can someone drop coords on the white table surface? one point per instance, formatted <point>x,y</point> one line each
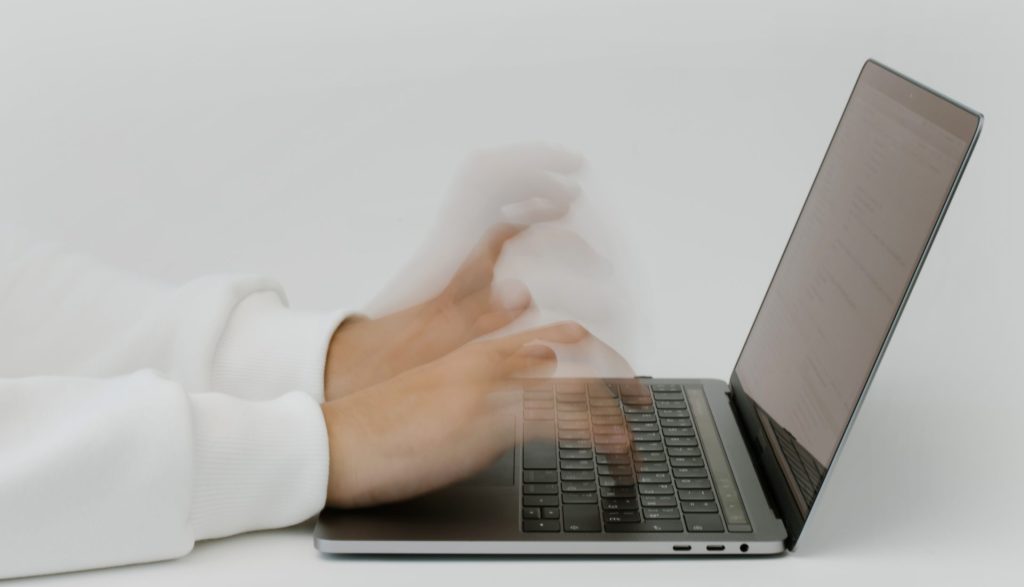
<point>309,141</point>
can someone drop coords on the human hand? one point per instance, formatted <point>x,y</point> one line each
<point>366,351</point>
<point>522,184</point>
<point>435,424</point>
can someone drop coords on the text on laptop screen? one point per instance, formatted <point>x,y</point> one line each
<point>852,256</point>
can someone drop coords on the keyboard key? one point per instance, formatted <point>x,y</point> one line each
<point>611,448</point>
<point>676,441</point>
<point>540,501</point>
<point>673,413</point>
<point>535,394</point>
<point>659,501</point>
<point>704,523</point>
<point>579,498</point>
<point>674,403</point>
<point>540,477</point>
<point>531,513</point>
<point>580,453</point>
<point>680,422</point>
<point>539,454</point>
<point>657,489</point>
<point>540,489</point>
<point>693,484</point>
<point>614,470</point>
<point>581,518</point>
<point>618,492</point>
<point>648,446</point>
<point>646,437</point>
<point>649,526</point>
<point>573,425</point>
<point>672,387</point>
<point>606,420</point>
<point>700,507</point>
<point>541,526</point>
<point>653,478</point>
<point>577,475</point>
<point>644,427</point>
<point>606,411</point>
<point>603,401</point>
<point>637,409</point>
<point>617,481</point>
<point>651,468</point>
<point>661,513</point>
<point>572,416</point>
<point>538,415</point>
<point>696,495</point>
<point>612,430</point>
<point>670,432</point>
<point>684,451</point>
<point>573,435</point>
<point>570,465</point>
<point>579,486</point>
<point>636,399</point>
<point>664,395</point>
<point>612,459</point>
<point>603,438</point>
<point>571,407</point>
<point>620,504</point>
<point>571,397</point>
<point>687,462</point>
<point>639,418</point>
<point>649,457</point>
<point>621,517</point>
<point>689,473</point>
<point>574,444</point>
<point>571,387</point>
<point>549,513</point>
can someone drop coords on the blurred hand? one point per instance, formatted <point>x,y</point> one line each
<point>435,424</point>
<point>521,184</point>
<point>367,351</point>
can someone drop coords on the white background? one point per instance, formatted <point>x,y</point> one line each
<point>313,141</point>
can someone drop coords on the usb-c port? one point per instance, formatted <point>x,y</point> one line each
<point>681,548</point>
<point>716,547</point>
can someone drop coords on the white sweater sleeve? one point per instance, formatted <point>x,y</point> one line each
<point>104,472</point>
<point>136,419</point>
<point>66,314</point>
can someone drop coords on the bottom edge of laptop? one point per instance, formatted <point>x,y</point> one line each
<point>554,548</point>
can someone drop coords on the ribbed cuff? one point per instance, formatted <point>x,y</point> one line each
<point>268,349</point>
<point>258,465</point>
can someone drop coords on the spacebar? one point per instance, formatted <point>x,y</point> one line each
<point>539,454</point>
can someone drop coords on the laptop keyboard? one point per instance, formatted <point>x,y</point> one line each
<point>625,458</point>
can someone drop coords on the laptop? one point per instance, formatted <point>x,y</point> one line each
<point>711,466</point>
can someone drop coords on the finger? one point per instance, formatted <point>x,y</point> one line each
<point>559,332</point>
<point>491,309</point>
<point>497,319</point>
<point>521,186</point>
<point>477,271</point>
<point>535,210</point>
<point>532,360</point>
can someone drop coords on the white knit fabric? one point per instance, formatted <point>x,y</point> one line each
<point>136,419</point>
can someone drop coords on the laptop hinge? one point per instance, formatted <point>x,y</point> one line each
<point>754,450</point>
<point>769,468</point>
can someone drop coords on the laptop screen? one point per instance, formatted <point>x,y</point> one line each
<point>852,257</point>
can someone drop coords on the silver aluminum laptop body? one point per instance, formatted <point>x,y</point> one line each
<point>766,439</point>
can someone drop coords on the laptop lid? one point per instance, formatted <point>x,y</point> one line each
<point>844,277</point>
